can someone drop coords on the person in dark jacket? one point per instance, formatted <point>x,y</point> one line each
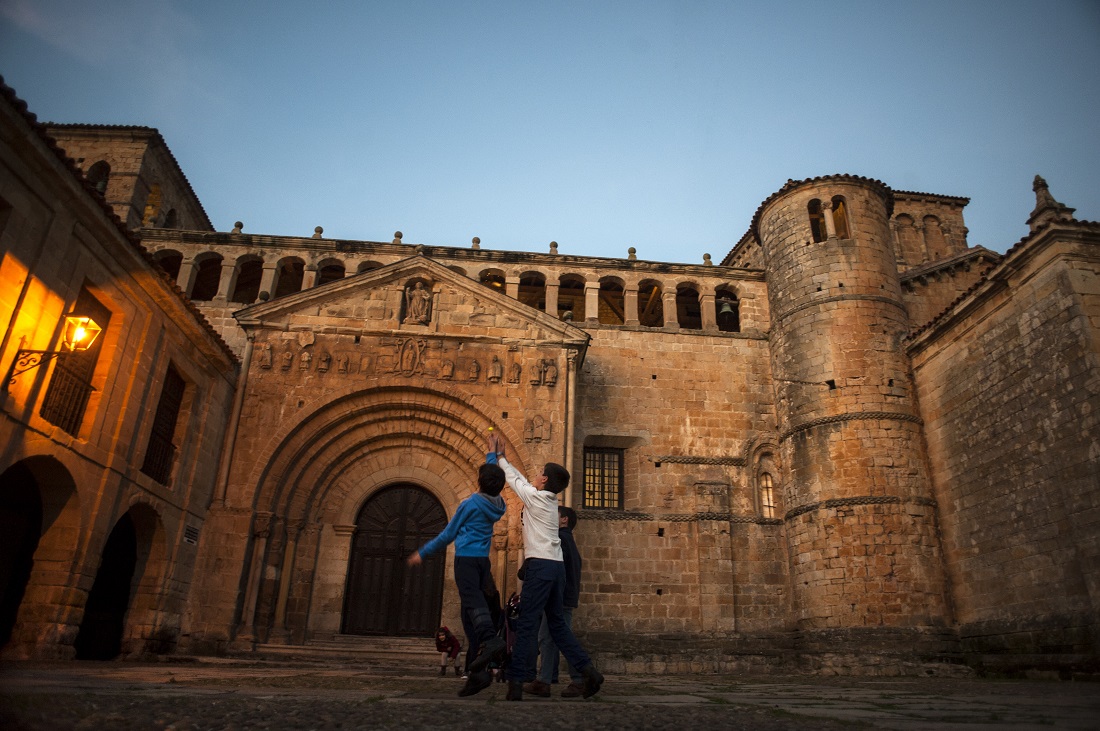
<point>548,651</point>
<point>471,530</point>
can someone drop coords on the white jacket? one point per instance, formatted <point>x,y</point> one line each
<point>540,515</point>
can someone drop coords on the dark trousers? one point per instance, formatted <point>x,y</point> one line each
<point>472,575</point>
<point>543,591</point>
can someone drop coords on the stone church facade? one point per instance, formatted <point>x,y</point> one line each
<point>855,442</point>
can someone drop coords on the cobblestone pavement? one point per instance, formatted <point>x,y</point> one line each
<point>189,694</point>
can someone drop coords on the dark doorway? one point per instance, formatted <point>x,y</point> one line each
<point>20,529</point>
<point>384,596</point>
<point>100,636</point>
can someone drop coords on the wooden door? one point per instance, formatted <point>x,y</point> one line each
<point>384,596</point>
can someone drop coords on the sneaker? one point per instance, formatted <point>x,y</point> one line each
<point>592,681</point>
<point>490,651</point>
<point>515,691</point>
<point>537,687</point>
<point>478,682</point>
<point>573,690</point>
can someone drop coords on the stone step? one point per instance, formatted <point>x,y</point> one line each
<point>411,651</point>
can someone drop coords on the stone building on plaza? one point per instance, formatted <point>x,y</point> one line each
<point>856,440</point>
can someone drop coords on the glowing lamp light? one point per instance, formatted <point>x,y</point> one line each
<point>80,332</point>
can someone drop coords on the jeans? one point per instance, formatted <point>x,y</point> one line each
<point>548,651</point>
<point>543,590</point>
<point>477,622</point>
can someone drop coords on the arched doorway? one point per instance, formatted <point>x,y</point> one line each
<point>384,596</point>
<point>100,636</point>
<point>20,529</point>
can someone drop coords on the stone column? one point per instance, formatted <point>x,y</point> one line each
<point>669,301</point>
<point>309,277</point>
<point>827,214</point>
<point>226,280</point>
<point>186,278</point>
<point>707,315</point>
<point>267,282</point>
<point>592,302</point>
<point>630,305</point>
<point>570,418</point>
<point>280,633</point>
<point>261,532</point>
<point>552,299</point>
<point>511,287</point>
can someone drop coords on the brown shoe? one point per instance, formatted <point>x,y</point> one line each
<point>515,691</point>
<point>573,690</point>
<point>537,687</point>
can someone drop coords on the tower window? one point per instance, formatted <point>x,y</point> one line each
<point>840,217</point>
<point>817,220</point>
<point>767,495</point>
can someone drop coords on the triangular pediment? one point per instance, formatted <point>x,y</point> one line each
<point>380,303</point>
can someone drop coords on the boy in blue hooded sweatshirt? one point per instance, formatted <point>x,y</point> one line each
<point>471,530</point>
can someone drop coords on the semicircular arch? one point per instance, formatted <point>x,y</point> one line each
<point>390,427</point>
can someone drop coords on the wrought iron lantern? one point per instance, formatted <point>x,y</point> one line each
<point>79,333</point>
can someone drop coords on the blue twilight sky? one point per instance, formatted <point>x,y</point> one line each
<point>601,125</point>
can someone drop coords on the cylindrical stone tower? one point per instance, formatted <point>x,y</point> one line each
<point>860,518</point>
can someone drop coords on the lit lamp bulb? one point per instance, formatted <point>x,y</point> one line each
<point>80,332</point>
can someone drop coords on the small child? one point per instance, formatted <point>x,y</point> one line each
<point>471,530</point>
<point>449,648</point>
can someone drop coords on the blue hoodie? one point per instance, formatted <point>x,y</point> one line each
<point>471,528</point>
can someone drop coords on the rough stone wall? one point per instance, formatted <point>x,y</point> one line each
<point>679,557</point>
<point>1010,394</point>
<point>860,526</point>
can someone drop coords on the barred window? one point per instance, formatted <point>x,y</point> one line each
<point>71,382</point>
<point>161,452</point>
<point>603,478</point>
<point>767,496</point>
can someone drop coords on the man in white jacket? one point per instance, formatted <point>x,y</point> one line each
<point>544,575</point>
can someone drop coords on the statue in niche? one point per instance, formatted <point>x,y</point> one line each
<point>551,376</point>
<point>323,362</point>
<point>417,304</point>
<point>475,370</point>
<point>496,370</point>
<point>517,370</point>
<point>536,429</point>
<point>305,359</point>
<point>288,360</point>
<point>342,363</point>
<point>265,355</point>
<point>448,370</point>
